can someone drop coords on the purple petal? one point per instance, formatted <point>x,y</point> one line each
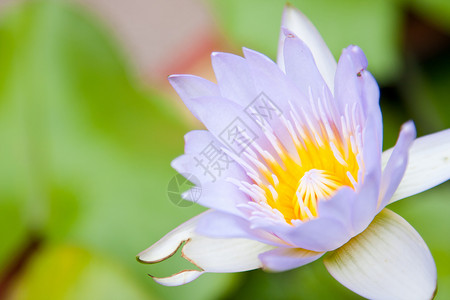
<point>234,78</point>
<point>396,165</point>
<point>365,206</point>
<point>339,207</point>
<point>205,160</point>
<point>196,140</point>
<point>224,118</point>
<point>428,164</point>
<point>321,234</point>
<point>270,80</point>
<point>298,23</point>
<point>219,195</point>
<point>330,230</point>
<point>283,259</point>
<point>347,85</point>
<point>276,90</point>
<point>370,97</point>
<point>189,87</point>
<point>300,66</point>
<point>223,225</point>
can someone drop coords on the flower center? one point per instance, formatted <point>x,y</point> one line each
<point>315,185</point>
<point>316,155</point>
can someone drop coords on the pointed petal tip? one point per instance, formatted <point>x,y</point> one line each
<point>179,278</point>
<point>139,260</point>
<point>154,254</point>
<point>407,133</point>
<point>303,28</point>
<point>290,8</point>
<point>173,77</point>
<point>215,54</point>
<point>409,128</point>
<point>428,164</point>
<point>247,51</point>
<point>356,56</point>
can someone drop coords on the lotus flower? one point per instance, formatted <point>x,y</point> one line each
<point>291,168</point>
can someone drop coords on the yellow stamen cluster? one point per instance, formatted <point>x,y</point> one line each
<point>322,162</point>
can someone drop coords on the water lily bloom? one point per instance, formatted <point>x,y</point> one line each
<point>291,168</point>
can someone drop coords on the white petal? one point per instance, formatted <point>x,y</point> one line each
<point>180,278</point>
<point>208,254</point>
<point>224,255</point>
<point>298,23</point>
<point>428,165</point>
<point>389,260</point>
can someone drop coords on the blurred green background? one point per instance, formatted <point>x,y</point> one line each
<point>86,144</point>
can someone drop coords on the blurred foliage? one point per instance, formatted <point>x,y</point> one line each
<point>375,26</point>
<point>86,151</point>
<point>85,161</point>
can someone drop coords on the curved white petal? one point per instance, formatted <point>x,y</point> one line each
<point>298,23</point>
<point>428,165</point>
<point>180,278</point>
<point>208,254</point>
<point>389,260</point>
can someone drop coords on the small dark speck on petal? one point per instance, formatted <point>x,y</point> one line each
<point>290,35</point>
<point>359,74</point>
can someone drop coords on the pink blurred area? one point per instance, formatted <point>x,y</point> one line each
<point>159,37</point>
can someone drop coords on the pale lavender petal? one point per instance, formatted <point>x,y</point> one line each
<point>339,207</point>
<point>365,206</point>
<point>205,170</point>
<point>298,23</point>
<point>329,231</point>
<point>189,87</point>
<point>372,146</point>
<point>270,80</point>
<point>220,195</point>
<point>228,122</point>
<point>206,160</point>
<point>396,166</point>
<point>276,92</point>
<point>301,68</point>
<point>321,234</point>
<point>428,164</point>
<point>283,259</point>
<point>196,140</point>
<point>224,225</point>
<point>347,85</point>
<point>234,78</point>
<point>370,97</point>
<point>332,228</point>
<point>366,86</point>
